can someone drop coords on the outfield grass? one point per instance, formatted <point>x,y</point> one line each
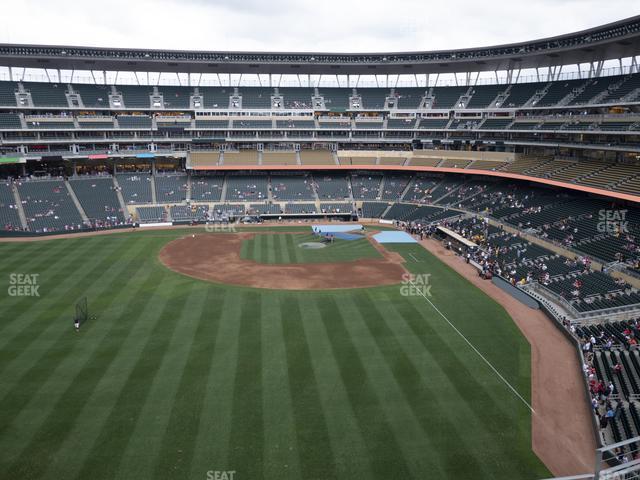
<point>284,248</point>
<point>177,377</point>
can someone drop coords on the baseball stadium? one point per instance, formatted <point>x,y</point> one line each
<point>249,265</point>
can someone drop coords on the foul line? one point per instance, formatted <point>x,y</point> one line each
<point>412,256</point>
<point>475,349</point>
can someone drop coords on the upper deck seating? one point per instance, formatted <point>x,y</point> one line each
<point>47,94</point>
<point>134,96</point>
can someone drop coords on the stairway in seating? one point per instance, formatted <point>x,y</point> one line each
<point>455,189</point>
<point>536,97</point>
<point>472,195</point>
<point>605,93</point>
<point>154,198</point>
<point>573,94</point>
<point>188,193</point>
<point>386,210</point>
<point>121,201</point>
<point>350,188</point>
<point>406,189</point>
<point>501,97</point>
<point>223,193</point>
<point>316,198</point>
<point>381,187</point>
<point>72,194</point>
<point>632,96</point>
<point>270,198</point>
<point>18,201</point>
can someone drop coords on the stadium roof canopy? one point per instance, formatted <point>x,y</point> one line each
<point>615,40</point>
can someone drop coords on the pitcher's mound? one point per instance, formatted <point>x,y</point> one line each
<point>312,245</point>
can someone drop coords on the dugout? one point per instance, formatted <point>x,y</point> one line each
<point>458,242</point>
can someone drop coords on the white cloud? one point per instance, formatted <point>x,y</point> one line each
<point>289,25</point>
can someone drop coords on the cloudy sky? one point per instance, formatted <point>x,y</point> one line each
<point>296,25</point>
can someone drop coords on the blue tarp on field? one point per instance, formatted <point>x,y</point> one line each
<point>336,228</point>
<point>394,237</point>
<point>347,236</point>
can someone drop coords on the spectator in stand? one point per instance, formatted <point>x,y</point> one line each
<point>617,368</point>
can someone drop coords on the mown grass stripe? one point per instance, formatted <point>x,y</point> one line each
<point>284,248</point>
<point>20,261</point>
<point>311,431</point>
<point>280,445</point>
<point>118,351</point>
<point>179,439</point>
<point>81,372</point>
<point>60,269</point>
<point>31,333</point>
<point>274,246</point>
<point>244,250</point>
<point>213,436</point>
<point>294,250</point>
<point>52,279</point>
<point>52,275</point>
<point>110,444</point>
<point>385,455</point>
<point>498,414</point>
<point>246,454</point>
<point>348,448</point>
<point>156,410</point>
<point>421,397</point>
<point>256,242</point>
